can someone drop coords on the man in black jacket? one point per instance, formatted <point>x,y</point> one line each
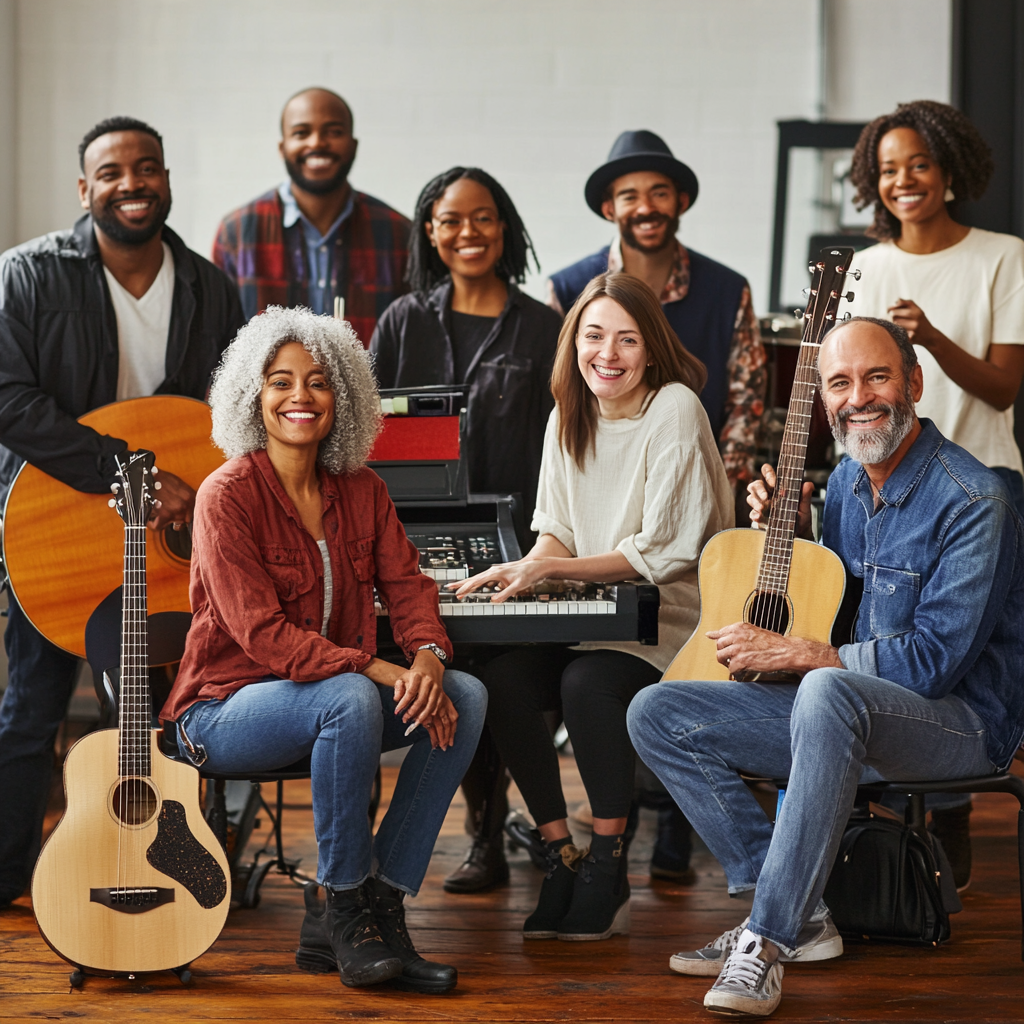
<point>116,308</point>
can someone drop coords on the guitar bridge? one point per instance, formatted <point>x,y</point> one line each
<point>128,900</point>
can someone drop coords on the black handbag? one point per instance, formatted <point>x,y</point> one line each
<point>890,882</point>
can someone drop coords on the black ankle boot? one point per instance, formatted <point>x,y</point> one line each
<point>418,975</point>
<point>600,896</point>
<point>673,846</point>
<point>555,891</point>
<point>351,933</point>
<point>314,953</point>
<point>485,866</point>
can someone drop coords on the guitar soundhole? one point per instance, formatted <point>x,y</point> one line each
<point>768,610</point>
<point>134,801</point>
<point>178,542</point>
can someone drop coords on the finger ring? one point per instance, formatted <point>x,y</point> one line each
<point>728,662</point>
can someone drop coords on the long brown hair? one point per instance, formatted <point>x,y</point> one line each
<point>670,362</point>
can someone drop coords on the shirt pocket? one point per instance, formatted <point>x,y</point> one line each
<point>894,596</point>
<point>503,384</point>
<point>360,553</point>
<point>289,569</point>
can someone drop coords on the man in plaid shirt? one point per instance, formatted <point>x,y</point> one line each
<point>314,239</point>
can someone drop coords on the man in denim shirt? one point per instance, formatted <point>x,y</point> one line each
<point>930,689</point>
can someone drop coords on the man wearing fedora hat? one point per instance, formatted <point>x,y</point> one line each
<point>644,190</point>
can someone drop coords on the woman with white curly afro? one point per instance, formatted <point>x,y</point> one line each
<point>238,426</point>
<point>291,537</point>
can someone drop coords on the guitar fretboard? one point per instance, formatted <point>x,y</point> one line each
<point>136,708</point>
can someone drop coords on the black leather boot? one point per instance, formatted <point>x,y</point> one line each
<point>346,929</point>
<point>561,858</point>
<point>485,787</point>
<point>418,975</point>
<point>600,896</point>
<point>673,846</point>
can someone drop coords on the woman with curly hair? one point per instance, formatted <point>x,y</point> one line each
<point>958,291</point>
<point>291,536</point>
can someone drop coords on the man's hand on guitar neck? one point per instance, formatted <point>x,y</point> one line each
<point>746,648</point>
<point>177,502</point>
<point>759,498</point>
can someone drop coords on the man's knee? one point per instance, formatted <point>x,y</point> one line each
<point>647,715</point>
<point>825,694</point>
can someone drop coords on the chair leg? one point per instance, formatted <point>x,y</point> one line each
<point>217,812</point>
<point>1020,873</point>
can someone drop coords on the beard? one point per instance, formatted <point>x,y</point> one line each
<point>317,187</point>
<point>869,447</point>
<point>105,218</point>
<point>626,231</point>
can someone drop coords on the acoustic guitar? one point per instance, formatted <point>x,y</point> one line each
<point>62,548</point>
<point>769,577</point>
<point>132,879</point>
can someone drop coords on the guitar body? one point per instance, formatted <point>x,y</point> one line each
<point>62,548</point>
<point>162,919</point>
<point>728,569</point>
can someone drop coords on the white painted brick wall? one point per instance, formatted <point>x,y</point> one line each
<point>534,91</point>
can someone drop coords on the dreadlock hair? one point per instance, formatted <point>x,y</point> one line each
<point>952,140</point>
<point>116,124</point>
<point>426,269</point>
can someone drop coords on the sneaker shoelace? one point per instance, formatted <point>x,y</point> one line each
<point>743,969</point>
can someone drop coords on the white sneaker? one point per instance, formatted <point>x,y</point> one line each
<point>748,985</point>
<point>818,940</point>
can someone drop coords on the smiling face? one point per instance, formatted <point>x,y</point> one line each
<point>317,142</point>
<point>911,184</point>
<point>612,357</point>
<point>646,206</point>
<point>868,398</point>
<point>466,230</point>
<point>125,186</point>
<point>297,400</point>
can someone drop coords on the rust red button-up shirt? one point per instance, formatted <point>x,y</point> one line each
<point>257,583</point>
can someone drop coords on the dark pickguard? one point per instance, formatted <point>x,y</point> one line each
<point>178,854</point>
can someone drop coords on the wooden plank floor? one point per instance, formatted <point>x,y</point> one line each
<point>250,975</point>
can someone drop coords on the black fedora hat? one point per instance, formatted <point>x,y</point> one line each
<point>638,151</point>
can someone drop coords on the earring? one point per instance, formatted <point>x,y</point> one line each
<point>949,197</point>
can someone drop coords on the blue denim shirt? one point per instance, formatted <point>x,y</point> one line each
<point>320,262</point>
<point>942,560</point>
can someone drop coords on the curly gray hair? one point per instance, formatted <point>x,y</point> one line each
<point>238,382</point>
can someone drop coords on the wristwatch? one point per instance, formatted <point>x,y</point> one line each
<point>438,652</point>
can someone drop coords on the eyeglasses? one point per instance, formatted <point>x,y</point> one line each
<point>452,225</point>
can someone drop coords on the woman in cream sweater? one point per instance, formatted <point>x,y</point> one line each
<point>631,487</point>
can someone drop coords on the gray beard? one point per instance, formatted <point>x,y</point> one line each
<point>873,446</point>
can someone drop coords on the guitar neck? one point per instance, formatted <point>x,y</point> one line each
<point>135,707</point>
<point>773,575</point>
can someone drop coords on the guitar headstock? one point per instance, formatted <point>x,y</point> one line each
<point>134,493</point>
<point>826,291</point>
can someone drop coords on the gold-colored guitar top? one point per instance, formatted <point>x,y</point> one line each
<point>769,577</point>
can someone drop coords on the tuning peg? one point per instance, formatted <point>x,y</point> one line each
<point>155,471</point>
<point>158,504</point>
<point>157,486</point>
<point>115,488</point>
<point>849,296</point>
<point>855,274</point>
<point>798,313</point>
<point>112,503</point>
<point>845,317</point>
<point>811,267</point>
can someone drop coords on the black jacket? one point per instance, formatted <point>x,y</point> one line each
<point>59,350</point>
<point>510,393</point>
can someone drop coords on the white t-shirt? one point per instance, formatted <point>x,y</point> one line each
<point>142,329</point>
<point>973,292</point>
<point>656,490</point>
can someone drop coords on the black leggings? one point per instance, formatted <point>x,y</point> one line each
<point>591,690</point>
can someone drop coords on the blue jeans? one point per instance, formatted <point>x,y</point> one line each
<point>40,680</point>
<point>834,731</point>
<point>344,723</point>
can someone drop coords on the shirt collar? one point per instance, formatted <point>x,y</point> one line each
<point>290,211</point>
<point>905,477</point>
<point>678,284</point>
